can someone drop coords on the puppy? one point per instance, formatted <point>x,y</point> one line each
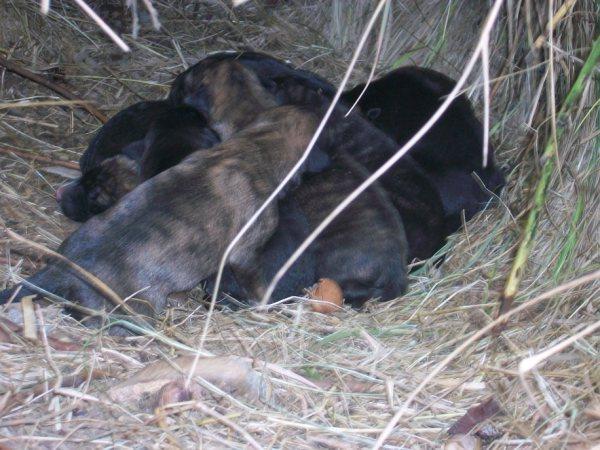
<point>401,102</point>
<point>409,186</point>
<point>164,135</point>
<point>169,233</point>
<point>364,249</point>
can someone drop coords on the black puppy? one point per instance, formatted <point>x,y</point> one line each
<point>400,102</point>
<point>134,140</point>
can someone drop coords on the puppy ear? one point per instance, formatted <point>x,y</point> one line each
<point>134,150</point>
<point>373,113</point>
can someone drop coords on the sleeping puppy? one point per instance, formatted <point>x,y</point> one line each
<point>169,233</point>
<point>401,102</point>
<point>364,249</point>
<point>118,148</point>
<point>408,186</point>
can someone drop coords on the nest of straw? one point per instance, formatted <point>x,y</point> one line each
<point>335,381</point>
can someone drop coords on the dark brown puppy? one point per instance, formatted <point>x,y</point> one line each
<point>204,201</point>
<point>108,157</point>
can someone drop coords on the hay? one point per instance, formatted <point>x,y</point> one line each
<point>363,366</point>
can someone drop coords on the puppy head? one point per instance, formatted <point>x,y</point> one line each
<point>173,137</point>
<point>225,91</point>
<point>98,189</point>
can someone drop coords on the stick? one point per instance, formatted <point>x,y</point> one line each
<point>60,90</point>
<point>539,197</point>
<point>44,159</point>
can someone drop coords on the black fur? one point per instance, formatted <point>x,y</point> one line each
<point>158,137</point>
<point>401,102</point>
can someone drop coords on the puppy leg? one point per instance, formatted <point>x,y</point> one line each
<point>245,259</point>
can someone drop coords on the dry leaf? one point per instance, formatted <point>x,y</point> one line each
<point>462,442</point>
<point>232,374</point>
<point>474,416</point>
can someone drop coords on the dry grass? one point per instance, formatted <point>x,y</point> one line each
<point>366,364</point>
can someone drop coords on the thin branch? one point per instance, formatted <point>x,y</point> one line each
<point>43,159</point>
<point>60,90</point>
<point>103,25</point>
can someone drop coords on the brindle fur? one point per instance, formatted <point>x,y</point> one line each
<point>217,91</point>
<point>137,246</point>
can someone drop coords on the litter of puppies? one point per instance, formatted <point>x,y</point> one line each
<point>165,186</point>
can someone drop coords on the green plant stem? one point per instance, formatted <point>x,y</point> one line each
<point>539,197</point>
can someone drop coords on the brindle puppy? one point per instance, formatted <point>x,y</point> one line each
<point>440,178</point>
<point>401,102</point>
<point>203,201</point>
<point>407,184</point>
<point>139,247</point>
<point>123,136</point>
<point>364,249</point>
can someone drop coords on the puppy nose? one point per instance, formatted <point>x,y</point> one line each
<point>59,192</point>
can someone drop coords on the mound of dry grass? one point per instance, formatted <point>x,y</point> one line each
<point>334,381</point>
